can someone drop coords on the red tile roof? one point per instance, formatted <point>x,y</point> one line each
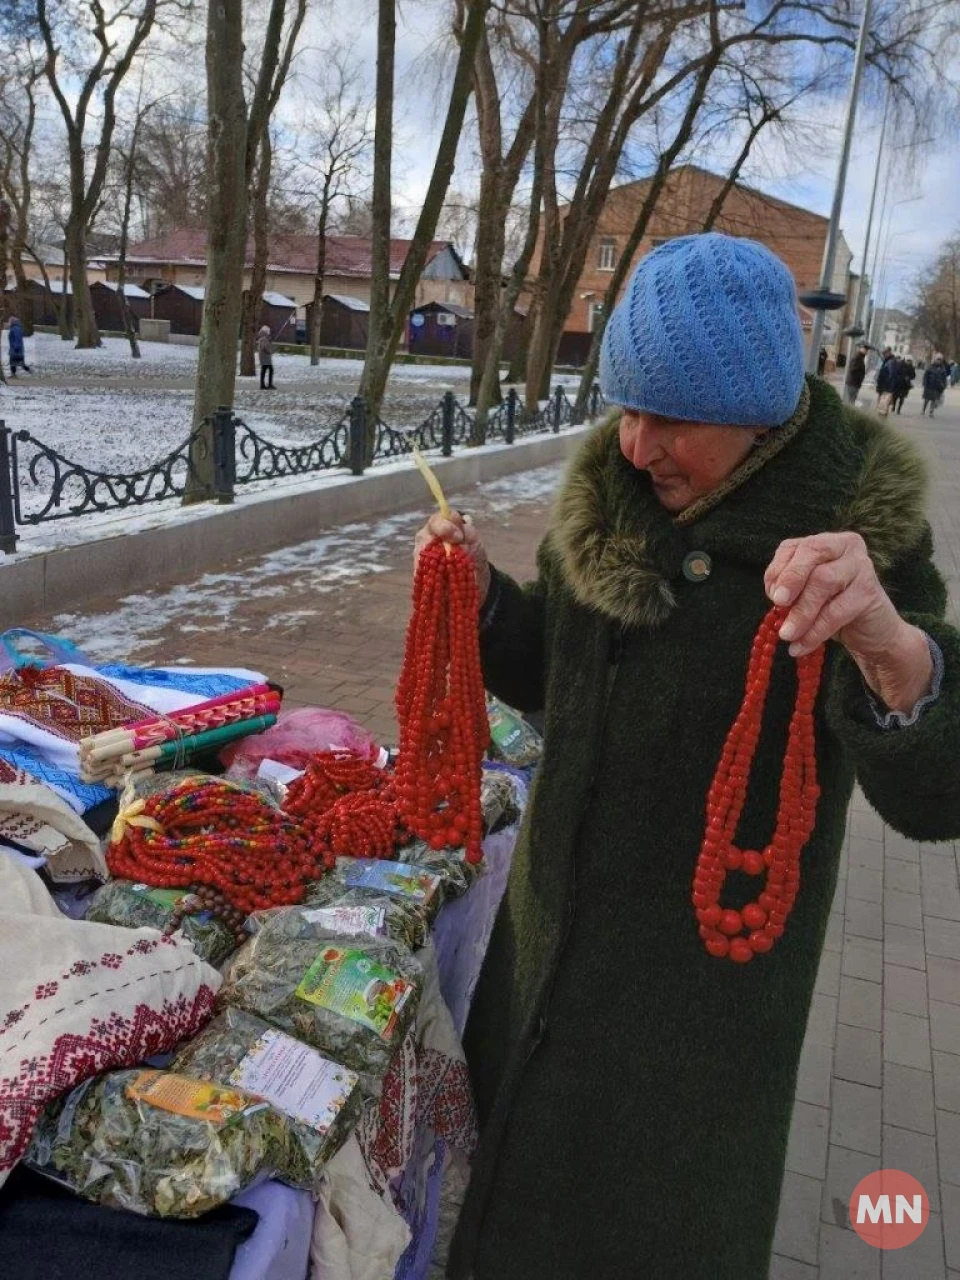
<point>346,255</point>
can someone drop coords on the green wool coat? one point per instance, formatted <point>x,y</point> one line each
<point>635,1093</point>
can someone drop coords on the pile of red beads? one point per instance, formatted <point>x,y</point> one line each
<point>740,934</point>
<point>207,831</point>
<point>441,706</point>
<point>348,806</point>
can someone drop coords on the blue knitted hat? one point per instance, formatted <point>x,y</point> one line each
<point>707,331</point>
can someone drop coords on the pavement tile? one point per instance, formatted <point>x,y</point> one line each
<point>942,937</point>
<point>905,990</point>
<point>863,919</point>
<point>897,846</point>
<point>828,974</point>
<point>861,1003</point>
<point>833,938</point>
<point>945,1026</point>
<point>907,1098</point>
<point>922,1260</point>
<point>858,1055</point>
<point>822,1021</point>
<point>904,946</point>
<point>867,825</point>
<point>844,1256</point>
<point>940,887</point>
<point>865,883</point>
<point>789,1269</point>
<point>815,1073</point>
<point>943,978</point>
<point>900,875</point>
<point>862,958</point>
<point>948,1145</point>
<point>855,1117</point>
<point>798,1227</point>
<point>845,1168</point>
<point>946,1081</point>
<point>916,1154</point>
<point>865,853</point>
<point>807,1146</point>
<point>906,1040</point>
<point>950,1198</point>
<point>902,908</point>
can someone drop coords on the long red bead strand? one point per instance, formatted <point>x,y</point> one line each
<point>441,706</point>
<point>740,934</point>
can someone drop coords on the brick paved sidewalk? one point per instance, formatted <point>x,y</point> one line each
<point>880,1075</point>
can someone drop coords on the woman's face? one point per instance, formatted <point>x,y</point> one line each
<point>685,459</point>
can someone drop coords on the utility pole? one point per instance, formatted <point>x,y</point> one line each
<point>833,229</point>
<point>866,239</point>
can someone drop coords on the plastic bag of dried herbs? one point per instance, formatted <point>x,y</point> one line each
<point>410,897</point>
<point>349,913</point>
<point>456,874</point>
<point>320,1099</point>
<point>351,998</point>
<point>134,906</point>
<point>512,739</point>
<point>158,1143</point>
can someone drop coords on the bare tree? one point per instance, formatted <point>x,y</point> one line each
<point>235,136</point>
<point>18,117</point>
<point>170,177</point>
<point>386,325</point>
<point>936,300</point>
<point>116,34</point>
<point>128,154</point>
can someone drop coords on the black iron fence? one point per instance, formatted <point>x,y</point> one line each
<point>56,488</point>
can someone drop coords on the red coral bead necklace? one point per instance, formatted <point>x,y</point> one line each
<point>740,934</point>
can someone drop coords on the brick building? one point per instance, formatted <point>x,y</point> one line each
<point>796,235</point>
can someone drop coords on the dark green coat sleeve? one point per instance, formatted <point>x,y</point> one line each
<point>513,644</point>
<point>910,775</point>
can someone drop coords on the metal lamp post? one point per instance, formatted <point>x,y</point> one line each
<point>833,229</point>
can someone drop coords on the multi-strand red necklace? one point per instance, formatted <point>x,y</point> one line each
<point>741,934</point>
<point>347,805</point>
<point>441,708</point>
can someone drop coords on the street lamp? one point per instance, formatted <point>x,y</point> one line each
<point>826,298</point>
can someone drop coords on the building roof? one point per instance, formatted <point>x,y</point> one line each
<point>742,186</point>
<point>352,304</point>
<point>346,255</point>
<point>195,291</point>
<point>130,290</point>
<point>464,313</point>
<point>273,299</point>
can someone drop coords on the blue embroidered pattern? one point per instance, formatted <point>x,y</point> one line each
<point>87,794</point>
<point>209,685</point>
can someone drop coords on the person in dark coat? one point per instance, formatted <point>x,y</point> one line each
<point>904,373</point>
<point>635,1091</point>
<point>821,361</point>
<point>856,372</point>
<point>18,359</point>
<point>265,355</point>
<point>934,385</point>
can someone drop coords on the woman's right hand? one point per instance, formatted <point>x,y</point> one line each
<point>461,531</point>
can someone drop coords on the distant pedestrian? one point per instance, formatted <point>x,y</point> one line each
<point>955,373</point>
<point>265,353</point>
<point>904,373</point>
<point>885,382</point>
<point>18,359</point>
<point>821,361</point>
<point>934,383</point>
<point>856,372</point>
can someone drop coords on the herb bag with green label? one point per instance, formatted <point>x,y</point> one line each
<point>512,739</point>
<point>135,906</point>
<point>158,1143</point>
<point>351,998</point>
<point>320,1099</point>
<point>409,896</point>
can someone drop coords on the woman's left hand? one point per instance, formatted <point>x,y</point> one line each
<point>830,588</point>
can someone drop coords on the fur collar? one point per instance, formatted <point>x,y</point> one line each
<point>620,551</point>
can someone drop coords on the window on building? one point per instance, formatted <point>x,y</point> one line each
<point>594,315</point>
<point>607,257</point>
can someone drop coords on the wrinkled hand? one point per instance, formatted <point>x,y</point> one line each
<point>461,531</point>
<point>830,588</point>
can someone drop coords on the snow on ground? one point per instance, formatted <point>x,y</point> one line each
<point>215,602</point>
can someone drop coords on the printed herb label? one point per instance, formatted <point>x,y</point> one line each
<point>348,982</point>
<point>194,1099</point>
<point>295,1078</point>
<point>398,878</point>
<point>350,920</point>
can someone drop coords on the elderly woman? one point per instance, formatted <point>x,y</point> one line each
<point>634,1084</point>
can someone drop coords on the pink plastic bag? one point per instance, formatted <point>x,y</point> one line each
<point>295,737</point>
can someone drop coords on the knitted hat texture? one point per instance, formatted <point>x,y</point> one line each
<point>707,331</point>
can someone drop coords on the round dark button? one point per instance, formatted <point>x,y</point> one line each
<point>697,566</point>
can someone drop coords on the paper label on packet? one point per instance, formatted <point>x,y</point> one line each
<point>274,771</point>
<point>506,727</point>
<point>399,878</point>
<point>369,921</point>
<point>194,1099</point>
<point>295,1079</point>
<point>348,982</point>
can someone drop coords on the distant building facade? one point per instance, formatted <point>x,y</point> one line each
<point>794,234</point>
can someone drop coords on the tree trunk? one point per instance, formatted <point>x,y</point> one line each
<point>317,312</point>
<point>4,257</point>
<point>379,358</point>
<point>226,235</point>
<point>488,268</point>
<point>88,335</point>
<point>252,305</point>
<point>24,298</point>
<point>66,315</point>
